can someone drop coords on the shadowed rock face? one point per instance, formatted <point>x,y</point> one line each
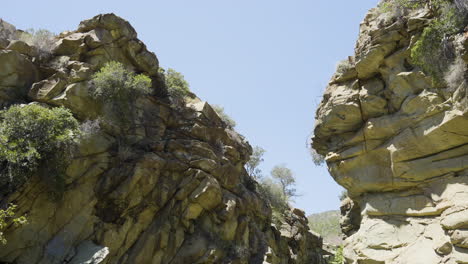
<point>171,189</point>
<point>400,148</point>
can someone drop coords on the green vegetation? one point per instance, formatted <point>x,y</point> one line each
<point>456,74</point>
<point>225,117</point>
<point>119,88</point>
<point>433,51</point>
<point>7,217</point>
<point>252,165</point>
<point>339,257</point>
<point>42,39</point>
<point>114,83</point>
<point>393,5</point>
<point>327,224</point>
<point>316,158</point>
<point>285,178</point>
<point>36,139</point>
<point>273,192</point>
<point>343,66</point>
<point>177,86</point>
<point>278,189</point>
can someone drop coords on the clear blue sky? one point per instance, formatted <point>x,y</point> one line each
<point>266,61</point>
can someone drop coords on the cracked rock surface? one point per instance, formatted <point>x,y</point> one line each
<point>177,192</point>
<point>399,146</point>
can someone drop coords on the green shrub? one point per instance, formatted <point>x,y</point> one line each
<point>119,89</point>
<point>338,258</point>
<point>177,86</point>
<point>456,74</point>
<point>36,139</point>
<point>253,165</point>
<point>343,66</point>
<point>432,52</point>
<point>317,158</point>
<point>114,83</point>
<point>7,217</point>
<point>225,117</point>
<point>396,6</point>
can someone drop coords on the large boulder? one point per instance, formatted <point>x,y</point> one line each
<point>398,144</point>
<point>17,74</point>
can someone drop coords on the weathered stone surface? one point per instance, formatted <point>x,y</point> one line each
<point>22,47</point>
<point>7,30</point>
<point>17,74</point>
<point>403,157</point>
<point>172,188</point>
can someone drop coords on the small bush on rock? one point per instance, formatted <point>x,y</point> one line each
<point>225,117</point>
<point>433,52</point>
<point>36,139</point>
<point>115,83</point>
<point>253,165</point>
<point>119,89</point>
<point>456,75</point>
<point>42,39</point>
<point>343,66</point>
<point>177,86</point>
<point>317,158</point>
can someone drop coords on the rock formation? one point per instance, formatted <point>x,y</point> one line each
<point>399,144</point>
<point>175,192</point>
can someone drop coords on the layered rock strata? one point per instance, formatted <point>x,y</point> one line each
<point>399,145</point>
<point>171,189</point>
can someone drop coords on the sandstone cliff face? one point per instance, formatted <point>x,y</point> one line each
<point>399,146</point>
<point>177,192</point>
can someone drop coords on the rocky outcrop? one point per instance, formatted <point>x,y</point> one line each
<point>399,145</point>
<point>171,189</point>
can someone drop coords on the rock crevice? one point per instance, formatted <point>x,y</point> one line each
<point>170,188</point>
<point>396,141</point>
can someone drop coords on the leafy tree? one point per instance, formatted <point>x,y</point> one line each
<point>42,39</point>
<point>273,192</point>
<point>7,217</point>
<point>252,166</point>
<point>225,117</point>
<point>286,179</point>
<point>36,139</point>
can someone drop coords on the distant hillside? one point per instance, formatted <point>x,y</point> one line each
<point>327,224</point>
